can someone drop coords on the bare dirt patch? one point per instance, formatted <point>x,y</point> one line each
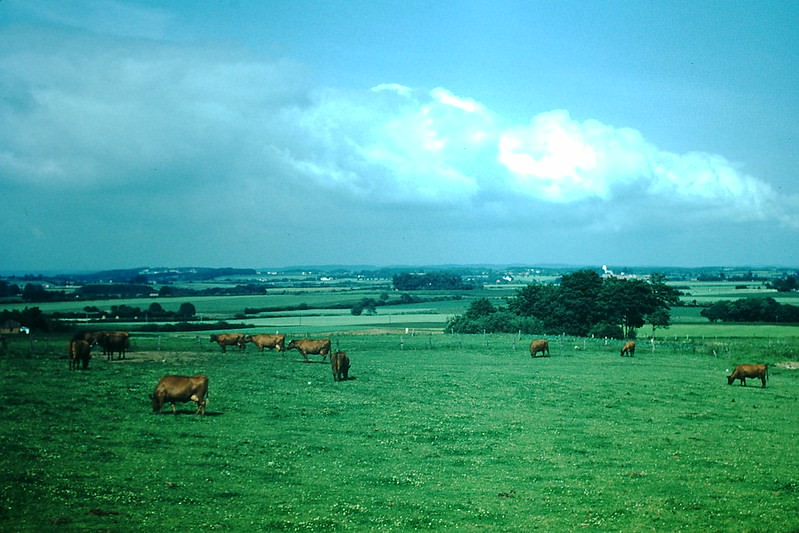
<point>790,365</point>
<point>159,357</point>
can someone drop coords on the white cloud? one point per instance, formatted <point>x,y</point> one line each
<point>447,98</point>
<point>89,112</point>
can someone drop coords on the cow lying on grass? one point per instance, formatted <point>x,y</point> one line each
<point>742,372</point>
<point>181,389</point>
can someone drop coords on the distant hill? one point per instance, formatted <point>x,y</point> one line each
<point>160,275</point>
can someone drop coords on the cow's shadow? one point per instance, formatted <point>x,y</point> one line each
<point>182,412</point>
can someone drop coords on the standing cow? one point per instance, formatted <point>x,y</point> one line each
<point>306,346</point>
<point>274,342</point>
<point>340,364</point>
<point>742,372</point>
<point>80,351</point>
<point>181,389</point>
<point>229,339</point>
<point>114,341</point>
<point>539,345</point>
<point>628,349</point>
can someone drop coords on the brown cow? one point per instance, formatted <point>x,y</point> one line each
<point>113,341</point>
<point>340,364</point>
<point>80,351</point>
<point>628,348</point>
<point>181,389</point>
<point>742,372</point>
<point>306,346</point>
<point>539,345</point>
<point>229,339</point>
<point>274,342</point>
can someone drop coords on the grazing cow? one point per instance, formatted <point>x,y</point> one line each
<point>306,346</point>
<point>340,364</point>
<point>181,389</point>
<point>539,345</point>
<point>229,339</point>
<point>80,351</point>
<point>113,341</point>
<point>628,348</point>
<point>742,372</point>
<point>274,342</point>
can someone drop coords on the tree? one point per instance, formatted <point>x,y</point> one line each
<point>786,284</point>
<point>665,295</point>
<point>33,292</point>
<point>659,318</point>
<point>479,308</point>
<point>575,307</point>
<point>156,310</point>
<point>366,304</point>
<point>8,290</point>
<point>627,302</point>
<point>534,300</point>
<point>187,310</point>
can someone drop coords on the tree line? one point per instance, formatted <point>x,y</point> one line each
<point>581,304</point>
<point>37,292</point>
<point>445,281</point>
<point>752,310</point>
<point>128,313</point>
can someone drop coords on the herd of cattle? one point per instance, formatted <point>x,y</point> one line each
<point>80,347</point>
<point>172,389</point>
<point>339,361</point>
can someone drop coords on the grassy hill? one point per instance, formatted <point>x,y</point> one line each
<point>436,432</point>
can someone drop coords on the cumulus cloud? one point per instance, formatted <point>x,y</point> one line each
<point>89,112</point>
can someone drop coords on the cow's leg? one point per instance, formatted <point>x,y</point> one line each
<point>743,382</point>
<point>763,380</point>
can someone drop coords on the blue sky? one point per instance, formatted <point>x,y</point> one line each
<point>258,134</point>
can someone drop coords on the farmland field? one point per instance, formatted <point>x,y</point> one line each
<point>435,432</point>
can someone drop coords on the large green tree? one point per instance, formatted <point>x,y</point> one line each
<point>575,307</point>
<point>584,303</point>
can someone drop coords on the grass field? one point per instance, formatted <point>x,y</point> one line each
<point>435,432</point>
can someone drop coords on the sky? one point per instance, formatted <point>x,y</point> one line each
<point>371,132</point>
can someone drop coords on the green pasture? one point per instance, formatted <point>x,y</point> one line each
<point>433,433</point>
<point>707,292</point>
